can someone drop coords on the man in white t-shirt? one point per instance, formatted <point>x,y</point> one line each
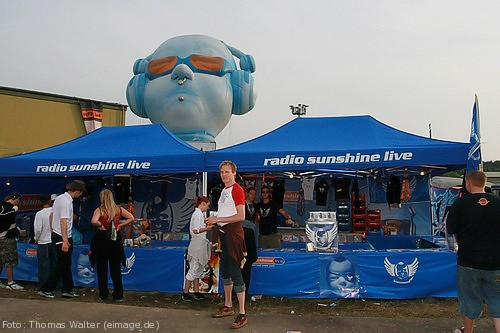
<point>62,224</point>
<point>230,216</point>
<point>43,230</point>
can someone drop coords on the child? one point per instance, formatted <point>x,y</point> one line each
<point>198,250</point>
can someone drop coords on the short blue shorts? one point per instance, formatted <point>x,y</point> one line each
<point>476,287</point>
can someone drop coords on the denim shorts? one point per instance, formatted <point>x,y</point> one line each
<point>475,287</point>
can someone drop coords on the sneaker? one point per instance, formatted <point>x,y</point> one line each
<point>70,294</point>
<point>2,285</point>
<point>119,300</point>
<point>223,312</point>
<point>198,296</point>
<point>459,330</point>
<point>240,321</point>
<point>14,286</point>
<point>187,297</point>
<point>46,294</point>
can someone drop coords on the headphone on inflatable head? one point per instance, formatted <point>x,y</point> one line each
<point>241,83</point>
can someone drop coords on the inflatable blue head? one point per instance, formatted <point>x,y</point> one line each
<point>191,85</point>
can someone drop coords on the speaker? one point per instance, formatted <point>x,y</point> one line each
<point>135,94</point>
<point>242,82</point>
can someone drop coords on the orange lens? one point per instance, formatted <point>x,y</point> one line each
<point>207,63</point>
<point>162,65</point>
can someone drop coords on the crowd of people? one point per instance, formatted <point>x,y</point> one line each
<point>240,225</point>
<point>52,232</point>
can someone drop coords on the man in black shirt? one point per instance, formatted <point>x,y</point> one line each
<point>475,220</point>
<point>8,242</point>
<point>268,224</point>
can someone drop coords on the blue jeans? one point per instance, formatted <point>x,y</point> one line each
<point>62,268</point>
<point>46,261</point>
<point>475,287</point>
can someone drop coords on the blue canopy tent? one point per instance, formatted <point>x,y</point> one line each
<point>137,150</point>
<point>339,143</point>
<point>147,150</point>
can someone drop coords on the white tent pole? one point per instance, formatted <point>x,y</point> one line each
<point>205,183</point>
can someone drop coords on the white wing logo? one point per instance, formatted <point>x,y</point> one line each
<point>322,239</point>
<point>128,264</point>
<point>413,184</point>
<point>310,233</point>
<point>402,273</point>
<point>182,209</point>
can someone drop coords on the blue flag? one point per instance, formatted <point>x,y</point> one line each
<point>474,161</point>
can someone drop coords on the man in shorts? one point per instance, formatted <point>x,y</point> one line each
<point>475,221</point>
<point>229,219</point>
<point>8,242</point>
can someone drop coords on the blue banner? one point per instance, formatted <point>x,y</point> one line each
<point>339,276</point>
<point>474,154</point>
<point>286,273</point>
<point>147,269</point>
<point>442,200</point>
<point>406,272</point>
<point>155,269</point>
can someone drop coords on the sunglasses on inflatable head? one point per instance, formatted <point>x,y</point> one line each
<point>197,62</point>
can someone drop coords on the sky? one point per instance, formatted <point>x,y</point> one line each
<point>406,63</point>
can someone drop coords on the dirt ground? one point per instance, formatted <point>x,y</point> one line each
<point>425,308</point>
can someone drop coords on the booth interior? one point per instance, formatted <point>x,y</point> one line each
<point>364,202</point>
<point>370,226</point>
<point>381,241</point>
